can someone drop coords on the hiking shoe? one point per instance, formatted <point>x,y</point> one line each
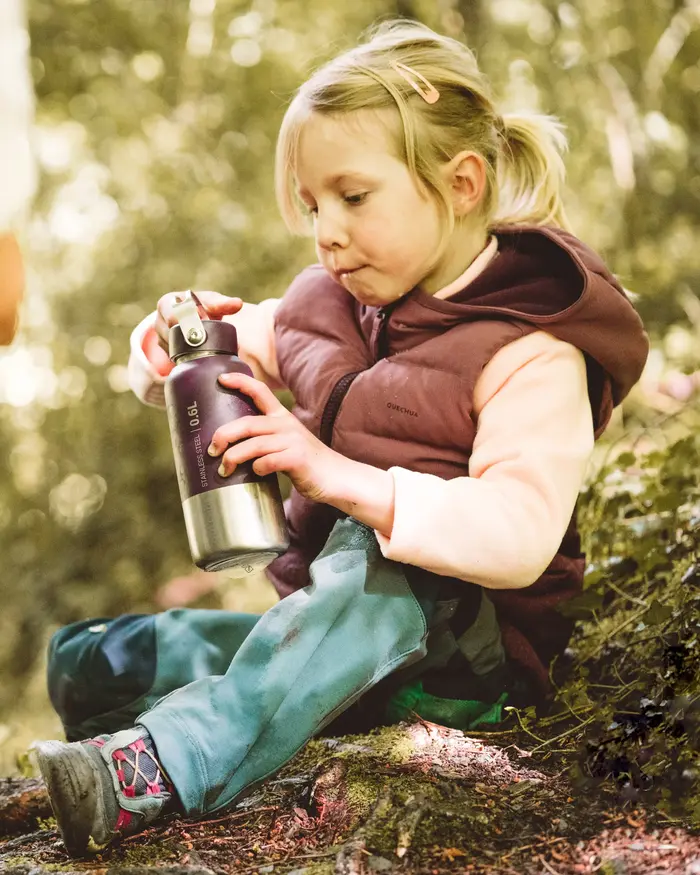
<point>103,787</point>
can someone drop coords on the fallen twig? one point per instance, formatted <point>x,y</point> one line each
<point>564,734</point>
<point>546,865</point>
<point>533,846</point>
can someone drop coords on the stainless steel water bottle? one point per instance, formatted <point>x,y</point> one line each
<point>235,521</point>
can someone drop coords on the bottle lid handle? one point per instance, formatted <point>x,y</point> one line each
<point>187,315</point>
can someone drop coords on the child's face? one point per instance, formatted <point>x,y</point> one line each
<point>376,233</point>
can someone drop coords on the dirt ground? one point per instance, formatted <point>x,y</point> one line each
<point>417,798</point>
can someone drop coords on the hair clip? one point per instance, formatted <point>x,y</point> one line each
<point>429,93</point>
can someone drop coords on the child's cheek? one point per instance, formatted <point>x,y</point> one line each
<point>377,237</point>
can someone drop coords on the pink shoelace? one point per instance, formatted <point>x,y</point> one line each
<point>144,766</point>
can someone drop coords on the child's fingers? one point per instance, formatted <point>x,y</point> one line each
<point>239,430</point>
<point>216,305</point>
<point>262,396</point>
<point>156,354</point>
<point>253,448</point>
<point>273,463</point>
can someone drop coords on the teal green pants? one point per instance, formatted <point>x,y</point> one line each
<point>230,698</point>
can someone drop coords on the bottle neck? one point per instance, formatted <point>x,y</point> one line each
<point>198,354</point>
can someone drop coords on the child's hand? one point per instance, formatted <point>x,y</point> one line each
<point>277,441</point>
<point>214,306</point>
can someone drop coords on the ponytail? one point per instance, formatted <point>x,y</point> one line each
<point>530,171</point>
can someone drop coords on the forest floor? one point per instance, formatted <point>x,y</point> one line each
<point>414,798</point>
<point>608,781</point>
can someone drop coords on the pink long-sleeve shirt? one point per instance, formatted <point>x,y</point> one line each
<point>523,482</point>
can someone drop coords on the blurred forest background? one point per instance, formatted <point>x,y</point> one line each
<point>155,131</point>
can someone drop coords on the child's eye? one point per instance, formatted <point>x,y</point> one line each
<point>355,199</point>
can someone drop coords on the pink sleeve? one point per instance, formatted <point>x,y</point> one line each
<point>144,379</point>
<point>256,346</point>
<point>501,526</point>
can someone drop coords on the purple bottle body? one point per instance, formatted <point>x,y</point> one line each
<point>235,521</point>
<point>197,405</point>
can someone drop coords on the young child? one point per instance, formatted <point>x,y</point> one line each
<point>452,358</point>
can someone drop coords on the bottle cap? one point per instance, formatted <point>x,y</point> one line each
<point>218,337</point>
<point>192,334</point>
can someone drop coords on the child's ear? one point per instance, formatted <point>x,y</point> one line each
<point>466,176</point>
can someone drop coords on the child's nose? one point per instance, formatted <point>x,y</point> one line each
<point>330,232</point>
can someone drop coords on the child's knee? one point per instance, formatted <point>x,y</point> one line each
<point>100,665</point>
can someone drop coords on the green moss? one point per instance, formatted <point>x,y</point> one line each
<point>307,760</point>
<point>7,862</point>
<point>144,855</point>
<point>15,861</point>
<point>362,794</point>
<point>364,787</point>
<point>59,867</point>
<point>390,744</point>
<point>447,816</point>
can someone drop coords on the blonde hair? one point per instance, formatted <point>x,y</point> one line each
<point>522,152</point>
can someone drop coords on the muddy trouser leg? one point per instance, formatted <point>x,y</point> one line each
<point>464,681</point>
<point>305,661</point>
<point>103,673</point>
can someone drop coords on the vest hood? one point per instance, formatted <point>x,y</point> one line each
<point>549,280</point>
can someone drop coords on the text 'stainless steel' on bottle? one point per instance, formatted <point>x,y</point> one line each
<point>235,521</point>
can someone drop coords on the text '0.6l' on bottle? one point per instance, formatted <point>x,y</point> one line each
<point>236,521</point>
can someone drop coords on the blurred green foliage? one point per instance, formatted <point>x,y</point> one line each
<point>156,125</point>
<point>633,682</point>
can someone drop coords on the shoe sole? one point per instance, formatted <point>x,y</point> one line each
<point>71,781</point>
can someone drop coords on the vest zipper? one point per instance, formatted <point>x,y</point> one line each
<point>339,391</point>
<point>379,333</point>
<point>330,411</point>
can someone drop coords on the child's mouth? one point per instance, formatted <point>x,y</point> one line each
<point>344,274</point>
